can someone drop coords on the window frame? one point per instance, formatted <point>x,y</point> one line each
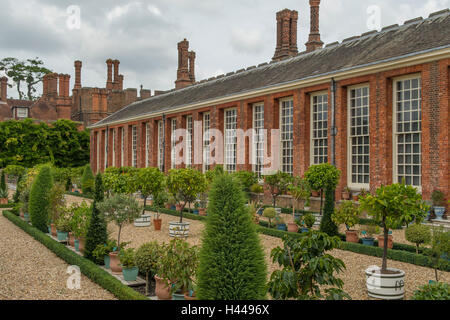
<point>173,143</point>
<point>206,142</point>
<point>281,101</point>
<point>256,142</point>
<point>134,153</point>
<point>160,145</point>
<point>189,140</point>
<point>226,164</point>
<point>311,127</point>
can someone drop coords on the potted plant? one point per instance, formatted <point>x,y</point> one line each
<point>368,234</point>
<point>127,261</point>
<point>57,204</point>
<point>281,224</point>
<point>147,257</point>
<point>418,234</point>
<point>3,189</point>
<point>315,193</point>
<point>252,207</point>
<point>346,193</point>
<point>347,214</point>
<point>299,189</point>
<point>102,251</point>
<point>203,203</point>
<point>63,226</point>
<point>176,270</point>
<point>438,204</point>
<point>120,209</point>
<point>184,185</point>
<point>440,248</point>
<point>270,213</point>
<point>277,184</point>
<point>390,206</point>
<point>79,223</point>
<point>170,205</point>
<point>307,220</point>
<point>159,200</point>
<point>258,190</point>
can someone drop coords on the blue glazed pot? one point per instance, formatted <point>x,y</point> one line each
<point>26,216</point>
<point>173,208</point>
<point>178,296</point>
<point>282,227</point>
<point>195,211</point>
<point>260,211</point>
<point>106,260</point>
<point>130,274</point>
<point>304,230</point>
<point>49,229</point>
<point>368,241</point>
<point>62,236</point>
<point>77,245</point>
<point>439,212</point>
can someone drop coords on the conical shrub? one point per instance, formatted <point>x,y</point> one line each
<point>87,180</point>
<point>39,204</point>
<point>327,225</point>
<point>97,231</point>
<point>232,264</point>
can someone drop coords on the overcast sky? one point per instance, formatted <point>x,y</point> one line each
<point>227,35</point>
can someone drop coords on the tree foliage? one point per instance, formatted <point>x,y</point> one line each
<point>87,180</point>
<point>27,144</point>
<point>277,184</point>
<point>232,264</point>
<point>149,181</point>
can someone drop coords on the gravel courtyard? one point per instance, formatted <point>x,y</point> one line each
<point>29,271</point>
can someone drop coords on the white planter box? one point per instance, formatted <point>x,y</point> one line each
<point>144,221</point>
<point>385,286</point>
<point>179,230</point>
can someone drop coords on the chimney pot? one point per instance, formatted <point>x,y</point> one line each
<point>287,25</point>
<point>78,65</point>
<point>3,88</point>
<point>314,41</point>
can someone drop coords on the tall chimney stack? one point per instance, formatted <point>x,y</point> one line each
<point>78,65</point>
<point>287,21</point>
<point>183,76</point>
<point>3,88</point>
<point>314,41</point>
<point>116,81</point>
<point>109,81</point>
<point>53,84</point>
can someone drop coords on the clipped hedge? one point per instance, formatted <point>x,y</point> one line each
<point>175,213</point>
<point>88,268</point>
<point>7,206</point>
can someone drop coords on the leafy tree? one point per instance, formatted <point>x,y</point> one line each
<point>393,205</point>
<point>277,184</point>
<point>346,214</point>
<point>299,189</point>
<point>39,205</point>
<point>184,185</point>
<point>418,234</point>
<point>232,264</point>
<point>433,291</point>
<point>120,180</point>
<point>29,72</point>
<point>97,232</point>
<point>306,267</point>
<point>147,257</point>
<point>149,181</point>
<point>440,248</point>
<point>247,179</point>
<point>87,181</point>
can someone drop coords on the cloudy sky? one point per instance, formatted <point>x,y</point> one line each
<point>227,35</point>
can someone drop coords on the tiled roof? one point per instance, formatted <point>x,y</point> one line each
<point>414,36</point>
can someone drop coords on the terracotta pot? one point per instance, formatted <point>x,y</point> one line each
<point>162,291</point>
<point>3,200</point>
<point>202,212</point>
<point>315,194</point>
<point>355,198</point>
<point>390,241</point>
<point>71,239</point>
<point>167,206</point>
<point>157,224</point>
<point>53,227</point>
<point>292,227</point>
<point>351,236</point>
<point>178,207</point>
<point>187,297</point>
<point>114,262</point>
<point>345,196</point>
<point>81,242</point>
<point>21,214</point>
<point>150,202</point>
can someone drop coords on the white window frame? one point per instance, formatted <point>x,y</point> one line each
<point>105,149</point>
<point>287,137</point>
<point>229,136</point>
<point>312,139</point>
<point>20,109</point>
<point>122,147</point>
<point>189,139</point>
<point>113,162</point>
<point>206,141</point>
<point>134,146</point>
<point>98,151</point>
<point>173,142</point>
<point>258,139</point>
<point>395,133</point>
<point>160,145</point>
<point>147,144</point>
<point>350,163</point>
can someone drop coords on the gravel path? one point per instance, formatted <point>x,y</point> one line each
<point>29,271</point>
<point>353,276</point>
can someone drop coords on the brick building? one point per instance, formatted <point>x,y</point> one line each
<point>86,105</point>
<point>375,105</point>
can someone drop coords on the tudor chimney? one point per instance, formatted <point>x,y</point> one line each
<point>116,81</point>
<point>314,41</point>
<point>109,81</point>
<point>78,65</point>
<point>3,88</point>
<point>192,66</point>
<point>183,75</point>
<point>287,21</point>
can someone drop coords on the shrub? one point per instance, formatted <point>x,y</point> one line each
<point>149,181</point>
<point>299,190</point>
<point>232,264</point>
<point>39,205</point>
<point>147,257</point>
<point>270,213</point>
<point>438,198</point>
<point>3,186</point>
<point>97,231</point>
<point>277,184</point>
<point>127,258</point>
<point>57,201</point>
<point>63,222</point>
<point>440,248</point>
<point>418,234</point>
<point>306,267</point>
<point>327,225</point>
<point>433,291</point>
<point>347,214</point>
<point>308,219</point>
<point>81,215</point>
<point>247,179</point>
<point>87,180</point>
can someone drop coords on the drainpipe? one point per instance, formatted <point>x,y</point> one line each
<point>164,143</point>
<point>334,129</point>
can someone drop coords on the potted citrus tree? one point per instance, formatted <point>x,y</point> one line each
<point>277,184</point>
<point>159,200</point>
<point>120,209</point>
<point>390,206</point>
<point>270,213</point>
<point>79,223</point>
<point>347,214</point>
<point>127,259</point>
<point>418,234</point>
<point>147,257</point>
<point>102,251</point>
<point>184,185</point>
<point>438,204</point>
<point>3,189</point>
<point>63,226</point>
<point>306,222</point>
<point>258,190</point>
<point>299,190</point>
<point>368,234</point>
